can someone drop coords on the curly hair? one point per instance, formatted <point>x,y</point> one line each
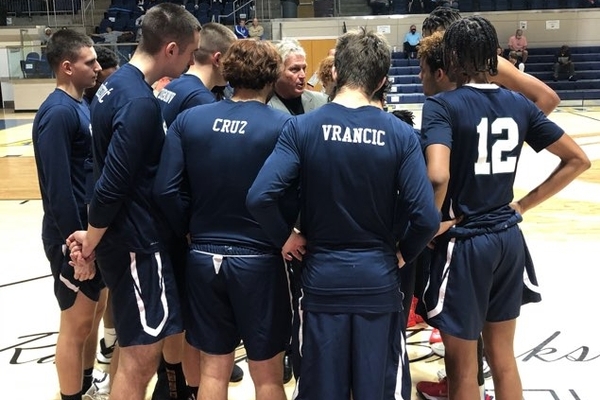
<point>251,64</point>
<point>470,48</point>
<point>439,20</point>
<point>430,50</point>
<point>324,71</point>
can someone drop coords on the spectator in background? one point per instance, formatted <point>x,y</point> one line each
<point>513,57</point>
<point>111,37</point>
<point>256,31</point>
<point>411,41</point>
<point>45,36</point>
<point>563,62</point>
<point>240,30</point>
<point>518,43</point>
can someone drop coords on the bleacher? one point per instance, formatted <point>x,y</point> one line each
<point>122,14</point>
<point>38,7</point>
<point>407,89</point>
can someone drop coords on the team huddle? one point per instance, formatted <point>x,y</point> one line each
<point>259,220</point>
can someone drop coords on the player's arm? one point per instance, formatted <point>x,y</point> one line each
<point>168,180</point>
<point>416,198</point>
<point>54,146</point>
<point>278,173</point>
<point>535,90</point>
<point>125,157</point>
<point>573,161</point>
<point>436,136</point>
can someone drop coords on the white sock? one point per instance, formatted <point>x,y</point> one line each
<point>110,336</point>
<point>482,391</point>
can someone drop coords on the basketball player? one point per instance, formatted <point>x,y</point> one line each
<point>127,141</point>
<point>508,76</point>
<point>351,160</point>
<point>62,144</point>
<point>236,280</point>
<point>191,89</point>
<point>471,161</point>
<point>195,86</point>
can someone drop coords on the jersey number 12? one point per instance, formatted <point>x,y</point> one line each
<point>486,165</point>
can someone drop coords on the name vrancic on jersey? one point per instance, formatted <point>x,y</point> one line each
<point>166,95</point>
<point>336,133</point>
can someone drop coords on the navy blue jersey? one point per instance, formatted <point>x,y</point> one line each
<point>220,147</point>
<point>485,127</point>
<point>62,143</point>
<point>128,135</point>
<point>355,166</point>
<point>182,93</point>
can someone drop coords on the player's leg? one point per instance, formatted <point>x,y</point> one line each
<point>75,326</point>
<point>267,376</point>
<point>89,352</point>
<point>461,367</point>
<point>137,365</point>
<point>380,368</point>
<point>258,278</point>
<point>325,371</point>
<point>109,339</point>
<point>215,370</point>
<point>499,344</point>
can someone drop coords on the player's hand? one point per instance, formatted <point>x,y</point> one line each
<point>517,207</point>
<point>401,262</point>
<point>294,247</point>
<point>83,269</point>
<point>444,227</point>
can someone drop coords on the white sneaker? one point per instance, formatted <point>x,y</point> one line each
<point>100,385</point>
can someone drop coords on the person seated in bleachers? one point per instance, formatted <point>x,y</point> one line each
<point>518,43</point>
<point>411,41</point>
<point>563,63</point>
<point>513,57</point>
<point>240,29</point>
<point>379,7</point>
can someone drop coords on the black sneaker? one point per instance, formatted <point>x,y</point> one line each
<point>237,374</point>
<point>287,368</point>
<point>105,354</point>
<point>572,78</point>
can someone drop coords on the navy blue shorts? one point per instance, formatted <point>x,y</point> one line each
<point>238,294</point>
<point>143,294</point>
<point>473,280</point>
<point>358,356</point>
<point>66,286</point>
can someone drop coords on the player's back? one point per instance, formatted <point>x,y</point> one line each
<point>351,159</point>
<point>182,93</point>
<point>485,126</point>
<point>127,135</point>
<point>225,144</point>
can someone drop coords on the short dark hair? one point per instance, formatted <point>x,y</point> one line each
<point>106,57</point>
<point>362,60</point>
<point>251,64</point>
<point>406,116</point>
<point>164,23</point>
<point>215,37</point>
<point>65,44</point>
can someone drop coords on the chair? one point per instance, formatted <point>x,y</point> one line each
<point>28,69</point>
<point>33,56</point>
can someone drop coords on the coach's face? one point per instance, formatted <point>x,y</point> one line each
<point>291,81</point>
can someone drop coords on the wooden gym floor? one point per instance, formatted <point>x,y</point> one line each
<point>556,350</point>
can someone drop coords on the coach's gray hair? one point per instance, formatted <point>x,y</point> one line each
<point>287,47</point>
